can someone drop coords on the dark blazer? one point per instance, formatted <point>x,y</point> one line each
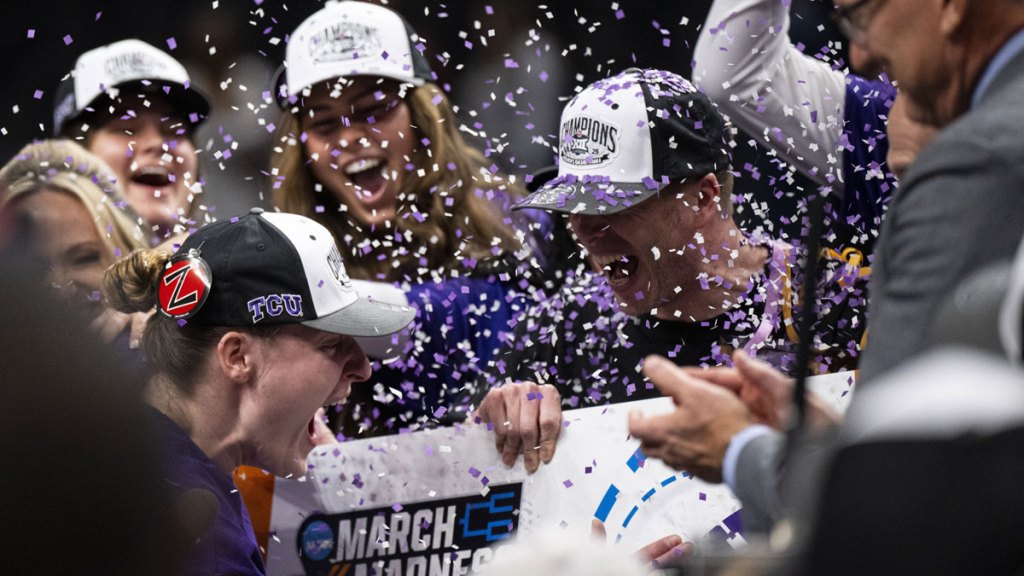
<point>960,208</point>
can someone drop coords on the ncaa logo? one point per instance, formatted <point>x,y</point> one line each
<point>317,540</point>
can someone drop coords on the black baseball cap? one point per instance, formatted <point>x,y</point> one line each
<point>624,138</point>
<point>269,269</point>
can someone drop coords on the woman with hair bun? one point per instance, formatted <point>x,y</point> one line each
<point>254,333</point>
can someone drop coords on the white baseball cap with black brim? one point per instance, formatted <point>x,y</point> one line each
<point>266,269</point>
<point>623,139</point>
<point>347,39</point>
<point>104,75</point>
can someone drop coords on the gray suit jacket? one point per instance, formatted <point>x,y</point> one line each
<point>960,208</point>
<point>757,482</point>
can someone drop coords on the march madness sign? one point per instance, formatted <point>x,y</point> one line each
<point>441,502</point>
<point>438,537</point>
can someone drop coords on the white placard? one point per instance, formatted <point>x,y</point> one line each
<point>595,473</point>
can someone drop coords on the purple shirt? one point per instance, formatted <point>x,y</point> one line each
<point>228,546</point>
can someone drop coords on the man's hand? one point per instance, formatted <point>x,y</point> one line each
<point>695,436</point>
<point>766,392</point>
<point>658,552</point>
<point>526,418</point>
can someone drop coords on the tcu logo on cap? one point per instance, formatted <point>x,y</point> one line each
<point>275,305</point>
<point>184,286</point>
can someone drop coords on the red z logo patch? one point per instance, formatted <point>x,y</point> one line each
<point>184,286</point>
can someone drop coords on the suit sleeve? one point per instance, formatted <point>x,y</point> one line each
<point>757,482</point>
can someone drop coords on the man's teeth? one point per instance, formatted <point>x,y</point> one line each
<point>362,165</point>
<point>604,261</point>
<point>154,171</point>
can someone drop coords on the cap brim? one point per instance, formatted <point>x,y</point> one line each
<point>589,197</point>
<point>365,318</point>
<point>538,179</point>
<point>185,100</point>
<point>287,98</point>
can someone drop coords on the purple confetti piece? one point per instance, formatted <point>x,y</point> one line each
<point>172,43</point>
<point>68,40</point>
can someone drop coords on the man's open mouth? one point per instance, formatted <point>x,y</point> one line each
<point>156,176</point>
<point>619,268</point>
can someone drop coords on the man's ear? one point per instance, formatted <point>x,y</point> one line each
<point>951,16</point>
<point>236,356</point>
<point>709,196</point>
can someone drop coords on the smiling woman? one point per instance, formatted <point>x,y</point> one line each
<point>134,106</point>
<point>370,147</point>
<point>370,120</point>
<point>77,215</point>
<point>254,333</point>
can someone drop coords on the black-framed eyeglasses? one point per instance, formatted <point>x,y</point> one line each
<point>853,20</point>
